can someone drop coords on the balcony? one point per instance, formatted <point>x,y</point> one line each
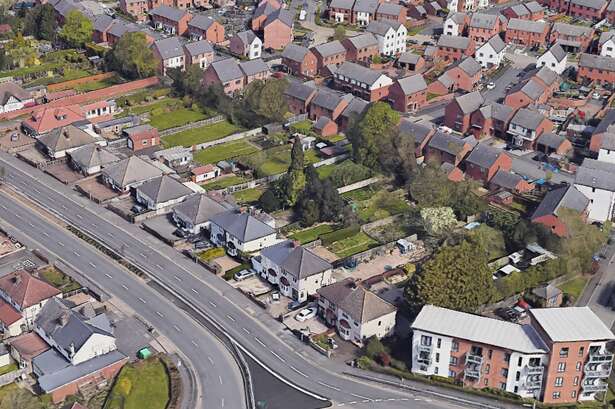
<point>424,356</point>
<point>474,359</point>
<point>595,387</point>
<point>597,370</point>
<point>533,384</point>
<point>535,370</point>
<point>600,357</point>
<point>471,373</point>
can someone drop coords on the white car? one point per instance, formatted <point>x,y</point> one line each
<point>243,274</point>
<point>306,313</point>
<point>491,85</point>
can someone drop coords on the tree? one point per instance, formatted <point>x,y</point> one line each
<point>41,23</point>
<point>489,240</point>
<point>132,56</point>
<point>438,220</point>
<point>269,202</point>
<point>319,200</point>
<point>373,347</point>
<point>376,125</point>
<point>293,181</point>
<point>187,82</point>
<point>339,33</point>
<point>398,156</point>
<point>266,98</point>
<point>457,277</point>
<point>77,29</point>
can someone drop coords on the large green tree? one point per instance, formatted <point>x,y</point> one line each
<point>77,29</point>
<point>293,181</point>
<point>457,277</point>
<point>187,82</point>
<point>132,56</point>
<point>378,124</point>
<point>398,156</point>
<point>266,98</point>
<point>41,22</point>
<point>319,200</point>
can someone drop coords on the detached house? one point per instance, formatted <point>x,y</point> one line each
<point>13,97</point>
<point>526,126</point>
<point>161,192</point>
<point>560,197</point>
<point>361,81</point>
<point>465,74</point>
<point>356,313</point>
<point>264,9</point>
<point>454,48</point>
<point>246,44</point>
<point>227,73</point>
<point>340,11</point>
<point>596,180</point>
<point>64,140</point>
<point>491,120</point>
<point>482,27</point>
<point>457,113</point>
<point>554,58</point>
<point>47,119</point>
<point>299,60</point>
<point>194,214</point>
<point>571,38</point>
<point>391,12</point>
<point>526,33</point>
<point>391,36</point>
<point>170,20</point>
<point>455,24</point>
<point>297,271</point>
<point>299,96</point>
<point>361,48</point>
<point>364,11</point>
<point>409,94</point>
<point>448,148</point>
<point>206,28</point>
<point>485,161</point>
<point>596,68</point>
<point>128,173</point>
<point>141,137</point>
<point>278,29</point>
<point>199,53</point>
<point>241,232</point>
<point>331,53</point>
<point>491,53</point>
<point>526,93</point>
<point>170,54</point>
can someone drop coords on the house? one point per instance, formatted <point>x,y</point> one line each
<point>526,126</point>
<point>83,349</point>
<point>11,322</point>
<point>102,24</point>
<point>549,295</point>
<point>526,93</point>
<point>60,141</point>
<point>135,8</point>
<point>352,112</point>
<point>278,29</point>
<point>25,347</point>
<point>411,62</point>
<point>485,161</point>
<point>128,173</point>
<point>361,48</point>
<point>170,20</point>
<point>331,53</point>
<point>46,119</point>
<point>448,148</point>
<point>254,70</point>
<point>519,11</point>
<point>491,53</point>
<point>325,127</point>
<point>391,12</point>
<point>606,44</point>
<point>226,73</point>
<point>593,10</point>
<point>526,32</point>
<point>193,215</point>
<point>113,127</point>
<point>548,78</point>
<point>364,11</point>
<point>596,180</point>
<point>361,81</point>
<point>13,97</point>
<point>596,68</point>
<point>605,127</point>
<point>456,24</point>
<point>454,48</point>
<point>120,27</point>
<point>491,120</point>
<point>571,38</point>
<point>433,8</point>
<point>482,27</point>
<point>175,157</point>
<point>299,60</point>
<point>510,182</point>
<point>356,313</point>
<point>549,143</point>
<point>443,85</point>
<point>264,9</point>
<point>555,58</point>
<point>90,159</point>
<point>246,44</point>
<point>422,133</point>
<point>606,150</point>
<point>465,74</point>
<point>241,231</point>
<point>391,36</point>
<point>409,93</point>
<point>170,54</point>
<point>141,137</point>
<point>204,173</point>
<point>457,113</point>
<point>328,103</point>
<point>26,295</point>
<point>530,358</point>
<point>298,96</point>
<point>340,11</point>
<point>202,27</point>
<point>537,11</point>
<point>161,192</point>
<point>296,270</point>
<point>199,53</point>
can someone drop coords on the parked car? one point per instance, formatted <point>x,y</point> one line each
<point>136,209</point>
<point>491,85</point>
<point>202,245</point>
<point>306,313</point>
<point>243,274</point>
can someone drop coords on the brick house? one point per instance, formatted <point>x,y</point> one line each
<point>264,9</point>
<point>422,133</point>
<point>169,53</point>
<point>517,11</point>
<point>101,24</point>
<point>254,70</point>
<point>226,73</point>
<point>526,93</point>
<point>136,8</point>
<point>526,126</point>
<point>549,143</point>
<point>526,33</point>
<point>610,12</point>
<point>484,26</point>
<point>465,74</point>
<point>448,148</point>
<point>457,112</point>
<point>562,196</point>
<point>491,120</point>
<point>299,96</point>
<point>537,11</point>
<point>596,68</point>
<point>362,81</point>
<point>510,182</point>
<point>328,103</point>
<point>409,94</point>
<point>170,20</point>
<point>199,52</point>
<point>141,137</point>
<point>206,28</point>
<point>340,11</point>
<point>364,12</point>
<point>299,60</point>
<point>548,78</point>
<point>246,44</point>
<point>411,62</point>
<point>278,29</point>
<point>353,112</point>
<point>571,38</point>
<point>331,53</point>
<point>391,12</point>
<point>454,48</point>
<point>586,9</point>
<point>120,27</point>
<point>325,127</point>
<point>443,85</point>
<point>484,161</point>
<point>361,48</point>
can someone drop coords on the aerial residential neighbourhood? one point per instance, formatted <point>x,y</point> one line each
<point>307,204</point>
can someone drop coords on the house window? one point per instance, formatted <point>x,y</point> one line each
<point>487,368</point>
<point>486,382</point>
<point>435,371</point>
<point>581,351</point>
<point>559,381</point>
<point>439,343</point>
<point>437,358</point>
<point>575,381</point>
<point>563,353</point>
<point>504,372</point>
<point>503,386</point>
<point>454,361</point>
<point>520,361</point>
<point>573,394</point>
<point>455,346</point>
<point>555,395</point>
<point>425,340</point>
<point>490,353</point>
<point>578,366</point>
<point>561,367</point>
<point>506,357</point>
<point>452,374</point>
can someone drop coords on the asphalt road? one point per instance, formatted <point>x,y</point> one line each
<point>258,334</point>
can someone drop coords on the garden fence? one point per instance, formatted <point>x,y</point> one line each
<point>233,137</point>
<point>192,125</point>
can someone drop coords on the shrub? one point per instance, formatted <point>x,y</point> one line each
<point>374,348</point>
<point>337,235</point>
<point>212,253</point>
<point>364,362</point>
<point>399,365</point>
<point>384,359</point>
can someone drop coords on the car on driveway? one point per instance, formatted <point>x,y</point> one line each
<point>306,313</point>
<point>491,85</point>
<point>243,274</point>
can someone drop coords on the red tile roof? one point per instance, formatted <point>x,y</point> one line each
<point>8,314</point>
<point>50,118</point>
<point>203,169</point>
<point>29,345</point>
<point>26,290</point>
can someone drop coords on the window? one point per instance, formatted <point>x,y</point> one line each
<point>517,376</point>
<point>575,381</point>
<point>487,368</point>
<point>573,394</point>
<point>561,366</point>
<point>452,374</point>
<point>507,357</point>
<point>578,366</point>
<point>435,370</point>
<point>555,395</point>
<point>490,353</point>
<point>582,349</point>
<point>425,340</point>
<point>453,360</point>
<point>559,381</point>
<point>437,357</point>
<point>455,346</point>
<point>520,361</point>
<point>563,353</point>
<point>486,382</point>
<point>439,344</point>
<point>503,386</point>
<point>504,372</point>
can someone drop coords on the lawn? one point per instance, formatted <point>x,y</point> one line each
<point>59,280</point>
<point>311,234</point>
<point>142,385</point>
<point>212,253</point>
<point>352,245</point>
<point>344,173</point>
<point>248,195</point>
<point>370,205</point>
<point>574,287</point>
<point>8,368</point>
<point>225,151</point>
<point>175,118</point>
<point>274,161</point>
<point>223,183</point>
<point>95,85</point>
<point>166,103</point>
<point>199,135</point>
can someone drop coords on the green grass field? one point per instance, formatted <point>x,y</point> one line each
<point>311,234</point>
<point>352,245</point>
<point>202,134</point>
<point>94,85</point>
<point>165,103</point>
<point>142,385</point>
<point>380,205</point>
<point>574,287</point>
<point>59,280</point>
<point>277,160</point>
<point>223,183</point>
<point>248,195</point>
<point>225,151</point>
<point>177,117</point>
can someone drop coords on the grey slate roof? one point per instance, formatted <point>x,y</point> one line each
<point>321,122</point>
<point>608,141</point>
<point>470,66</point>
<point>66,137</point>
<point>163,189</point>
<point>483,155</point>
<point>328,99</point>
<point>227,69</point>
<point>547,291</point>
<point>611,6</point>
<point>285,16</point>
<point>300,90</point>
<point>527,25</point>
<point>558,52</point>
<point>342,4</point>
<point>563,196</point>
<point>355,108</point>
<point>470,102</point>
<point>607,122</point>
<point>501,112</point>
<point>446,143</point>
<point>253,67</point>
<point>506,179</point>
<point>201,22</point>
<point>594,4</point>
<point>102,23</point>
<point>246,37</point>
<point>243,226</point>
<point>170,13</point>
<point>169,47</point>
<point>527,118</point>
<point>360,304</point>
<point>606,36</point>
<point>199,209</point>
<point>597,61</point>
<point>520,10</point>
<point>92,155</point>
<point>496,43</point>
<point>551,140</point>
<point>409,58</point>
<point>571,29</point>
<point>363,40</point>
<point>485,21</point>
<point>593,173</point>
<point>571,324</point>
<point>547,75</point>
<point>365,6</point>
<point>358,73</point>
<point>295,52</point>
<point>296,260</point>
<point>412,84</point>
<point>531,88</point>
<point>390,9</point>
<point>199,47</point>
<point>534,7</point>
<point>458,18</point>
<point>330,48</point>
<point>264,9</point>
<point>131,170</point>
<point>379,27</point>
<point>457,42</point>
<point>420,131</point>
<point>11,89</point>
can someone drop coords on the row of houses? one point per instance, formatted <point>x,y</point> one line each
<point>363,12</point>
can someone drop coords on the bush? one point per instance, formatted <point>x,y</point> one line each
<point>337,235</point>
<point>384,359</point>
<point>364,362</point>
<point>212,253</point>
<point>374,348</point>
<point>399,365</point>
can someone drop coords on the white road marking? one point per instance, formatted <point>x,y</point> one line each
<point>124,287</point>
<point>45,234</point>
<point>159,266</point>
<point>359,396</point>
<point>194,291</point>
<point>159,314</point>
<point>79,216</point>
<point>30,224</point>
<point>299,372</point>
<point>260,342</point>
<point>177,278</point>
<point>92,265</point>
<point>277,356</point>
<point>142,300</point>
<point>4,207</point>
<point>247,331</point>
<point>230,318</point>
<point>211,361</point>
<point>108,275</point>
<point>177,328</point>
<point>328,386</point>
<point>213,304</point>
<point>194,343</point>
<point>76,254</point>
<point>110,234</point>
<point>60,244</point>
<point>220,379</point>
<point>222,403</point>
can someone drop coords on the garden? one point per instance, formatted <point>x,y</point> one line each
<point>224,182</point>
<point>248,196</point>
<point>312,233</point>
<point>201,134</point>
<point>225,151</point>
<point>351,245</point>
<point>140,385</point>
<point>344,173</point>
<point>276,160</point>
<point>372,203</point>
<point>59,280</point>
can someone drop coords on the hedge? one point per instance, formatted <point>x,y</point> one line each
<point>337,235</point>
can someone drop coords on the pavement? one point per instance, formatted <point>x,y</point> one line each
<point>600,288</point>
<point>257,334</point>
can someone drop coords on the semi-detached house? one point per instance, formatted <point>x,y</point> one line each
<point>332,53</point>
<point>526,33</point>
<point>194,214</point>
<point>572,38</point>
<point>456,24</point>
<point>170,20</point>
<point>409,94</point>
<point>454,48</point>
<point>491,53</point>
<point>170,54</point>
<point>555,58</point>
<point>246,44</point>
<point>299,60</point>
<point>526,126</point>
<point>596,68</point>
<point>128,173</point>
<point>361,81</point>
<point>205,28</point>
<point>606,44</point>
<point>240,231</point>
<point>161,192</point>
<point>361,48</point>
<point>90,159</point>
<point>596,180</point>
